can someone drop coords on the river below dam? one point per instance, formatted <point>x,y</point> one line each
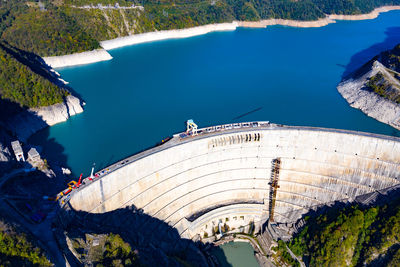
<point>238,254</point>
<point>281,74</point>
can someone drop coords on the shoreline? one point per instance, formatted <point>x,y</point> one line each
<point>102,54</point>
<point>78,58</point>
<point>372,15</point>
<point>285,22</point>
<point>167,34</point>
<point>332,18</point>
<point>370,103</point>
<point>28,122</point>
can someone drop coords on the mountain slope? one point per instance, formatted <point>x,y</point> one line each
<point>353,236</point>
<point>375,88</point>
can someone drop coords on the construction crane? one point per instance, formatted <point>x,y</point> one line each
<point>191,127</point>
<point>73,184</point>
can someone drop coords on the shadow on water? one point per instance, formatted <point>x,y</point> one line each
<point>157,243</point>
<point>220,256</point>
<point>53,151</point>
<point>362,57</point>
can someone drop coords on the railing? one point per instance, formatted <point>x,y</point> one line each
<point>225,127</point>
<point>201,131</point>
<point>215,129</point>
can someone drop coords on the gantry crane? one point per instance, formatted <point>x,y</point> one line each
<point>191,127</point>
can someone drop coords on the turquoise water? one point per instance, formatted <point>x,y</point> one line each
<point>148,91</point>
<point>236,254</point>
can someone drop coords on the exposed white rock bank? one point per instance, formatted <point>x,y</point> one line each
<point>32,120</point>
<point>374,14</point>
<point>78,58</point>
<point>375,106</point>
<point>316,23</point>
<point>102,54</point>
<point>168,34</point>
<point>59,112</point>
<point>285,22</point>
<point>5,154</point>
<point>200,30</point>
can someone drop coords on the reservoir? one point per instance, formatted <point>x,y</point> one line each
<point>147,92</point>
<point>281,74</point>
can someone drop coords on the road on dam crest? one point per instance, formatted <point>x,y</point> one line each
<point>240,175</point>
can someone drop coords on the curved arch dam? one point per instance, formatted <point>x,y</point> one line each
<point>242,174</point>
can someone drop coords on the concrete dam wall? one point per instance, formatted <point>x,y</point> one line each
<point>238,175</point>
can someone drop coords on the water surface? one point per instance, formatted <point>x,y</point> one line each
<point>236,254</point>
<point>148,91</point>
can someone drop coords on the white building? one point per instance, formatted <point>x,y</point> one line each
<point>19,154</point>
<point>34,156</point>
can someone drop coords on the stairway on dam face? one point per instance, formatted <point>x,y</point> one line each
<point>177,180</point>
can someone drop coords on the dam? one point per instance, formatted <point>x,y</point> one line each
<point>235,177</point>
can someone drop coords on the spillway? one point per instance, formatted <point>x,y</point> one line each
<point>240,175</point>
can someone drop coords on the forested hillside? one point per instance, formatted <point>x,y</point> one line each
<point>353,236</point>
<point>58,27</point>
<point>386,82</point>
<point>45,30</point>
<point>20,84</point>
<point>16,249</point>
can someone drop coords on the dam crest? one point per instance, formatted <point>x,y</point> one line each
<point>237,176</point>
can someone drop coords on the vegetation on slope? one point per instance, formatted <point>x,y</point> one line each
<point>48,33</point>
<point>387,83</point>
<point>382,86</point>
<point>105,250</point>
<point>352,236</point>
<point>282,256</point>
<point>110,23</point>
<point>391,59</point>
<point>164,14</point>
<point>19,84</point>
<point>50,28</point>
<point>61,27</point>
<point>351,7</point>
<point>17,250</point>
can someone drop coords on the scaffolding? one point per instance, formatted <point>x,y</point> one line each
<point>276,165</point>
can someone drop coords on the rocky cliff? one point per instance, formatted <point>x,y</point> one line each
<point>5,154</point>
<point>27,122</point>
<point>5,158</point>
<point>375,89</point>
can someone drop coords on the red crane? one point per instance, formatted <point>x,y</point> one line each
<point>80,180</point>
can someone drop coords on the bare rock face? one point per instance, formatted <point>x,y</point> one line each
<point>355,91</point>
<point>5,154</point>
<point>30,121</point>
<point>59,112</point>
